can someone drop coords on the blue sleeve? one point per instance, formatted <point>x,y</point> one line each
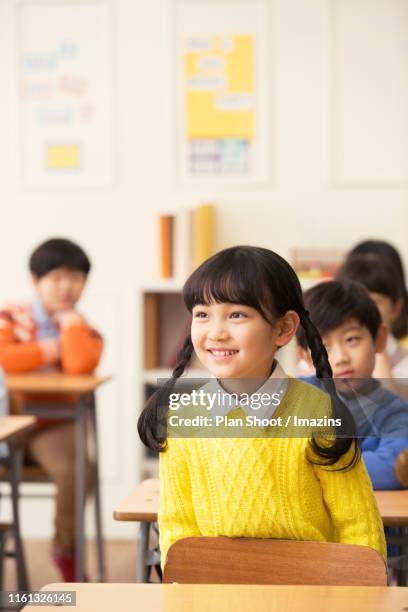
<point>380,463</point>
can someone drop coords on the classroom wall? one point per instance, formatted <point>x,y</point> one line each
<point>336,89</point>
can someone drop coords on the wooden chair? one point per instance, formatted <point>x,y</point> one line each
<point>222,560</point>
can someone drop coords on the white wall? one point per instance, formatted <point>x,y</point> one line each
<point>338,173</point>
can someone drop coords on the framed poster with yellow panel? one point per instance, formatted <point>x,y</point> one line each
<point>221,90</point>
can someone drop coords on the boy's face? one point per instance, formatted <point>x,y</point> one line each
<point>351,350</point>
<point>60,289</point>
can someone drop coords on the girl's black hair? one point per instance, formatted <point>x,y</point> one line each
<point>388,253</point>
<point>256,277</point>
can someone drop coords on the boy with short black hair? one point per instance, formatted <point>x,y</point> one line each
<point>352,332</point>
<point>384,286</point>
<point>49,334</point>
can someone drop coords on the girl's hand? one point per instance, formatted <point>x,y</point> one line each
<point>66,318</point>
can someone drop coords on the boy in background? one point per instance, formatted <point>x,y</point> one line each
<point>352,332</point>
<point>50,334</point>
<point>384,286</point>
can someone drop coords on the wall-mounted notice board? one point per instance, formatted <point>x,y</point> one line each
<point>65,92</point>
<point>221,89</point>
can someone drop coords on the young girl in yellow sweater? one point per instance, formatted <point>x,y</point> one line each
<point>246,303</point>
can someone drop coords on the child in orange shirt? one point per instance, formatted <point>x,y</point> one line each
<point>49,334</point>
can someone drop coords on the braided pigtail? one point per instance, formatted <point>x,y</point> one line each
<point>152,423</point>
<point>346,432</point>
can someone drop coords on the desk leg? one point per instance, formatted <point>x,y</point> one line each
<point>80,452</point>
<point>97,493</point>
<point>142,543</point>
<point>15,461</point>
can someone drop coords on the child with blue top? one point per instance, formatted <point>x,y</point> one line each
<point>352,332</point>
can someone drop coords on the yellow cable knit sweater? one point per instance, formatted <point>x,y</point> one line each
<point>265,488</point>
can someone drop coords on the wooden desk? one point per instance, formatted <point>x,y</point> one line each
<point>10,429</point>
<point>393,506</point>
<point>230,598</point>
<point>53,382</point>
<point>142,505</point>
<point>81,411</point>
<point>11,426</point>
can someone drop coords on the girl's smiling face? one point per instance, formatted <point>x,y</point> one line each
<point>235,341</point>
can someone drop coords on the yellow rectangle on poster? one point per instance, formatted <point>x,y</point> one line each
<point>220,89</point>
<point>203,121</point>
<point>63,157</point>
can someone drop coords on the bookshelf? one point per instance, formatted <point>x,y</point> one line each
<point>165,324</point>
<point>313,265</point>
<point>185,240</point>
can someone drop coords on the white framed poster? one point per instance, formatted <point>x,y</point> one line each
<point>65,93</point>
<point>221,85</point>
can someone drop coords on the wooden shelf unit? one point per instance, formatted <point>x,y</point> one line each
<point>166,323</point>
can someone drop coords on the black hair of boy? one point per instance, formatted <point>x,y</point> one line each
<point>333,303</point>
<point>58,253</point>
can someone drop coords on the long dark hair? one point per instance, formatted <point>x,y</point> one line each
<point>256,277</point>
<point>387,252</point>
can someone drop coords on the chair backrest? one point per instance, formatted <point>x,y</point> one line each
<point>222,560</point>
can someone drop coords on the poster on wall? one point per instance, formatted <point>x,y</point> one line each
<point>65,94</point>
<point>220,103</point>
<point>221,92</point>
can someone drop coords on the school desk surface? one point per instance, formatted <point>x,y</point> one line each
<point>11,426</point>
<point>230,598</point>
<point>54,382</point>
<point>142,505</point>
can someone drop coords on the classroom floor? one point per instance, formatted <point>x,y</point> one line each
<point>120,563</point>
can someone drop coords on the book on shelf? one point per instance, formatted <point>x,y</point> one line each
<point>166,224</point>
<point>186,240</point>
<point>203,233</point>
<point>183,243</point>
